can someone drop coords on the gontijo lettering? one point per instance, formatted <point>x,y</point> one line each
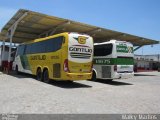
<point>38,57</point>
<point>80,49</point>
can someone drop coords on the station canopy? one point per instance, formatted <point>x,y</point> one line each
<point>32,25</point>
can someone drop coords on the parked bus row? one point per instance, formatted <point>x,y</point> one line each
<point>73,56</point>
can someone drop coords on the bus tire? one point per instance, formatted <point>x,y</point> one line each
<point>94,76</point>
<point>110,79</point>
<point>46,76</point>
<point>39,74</point>
<point>17,72</point>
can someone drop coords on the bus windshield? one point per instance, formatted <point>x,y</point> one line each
<point>103,50</point>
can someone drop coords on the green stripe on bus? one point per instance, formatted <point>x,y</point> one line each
<point>113,61</point>
<point>124,49</point>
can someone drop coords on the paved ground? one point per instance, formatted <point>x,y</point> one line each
<point>23,94</point>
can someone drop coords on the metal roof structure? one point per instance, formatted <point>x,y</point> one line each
<point>28,25</point>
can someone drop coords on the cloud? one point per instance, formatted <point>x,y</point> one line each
<point>5,15</point>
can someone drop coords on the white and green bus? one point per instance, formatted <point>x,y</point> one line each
<point>113,60</point>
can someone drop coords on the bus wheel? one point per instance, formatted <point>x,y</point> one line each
<point>94,77</point>
<point>39,74</point>
<point>17,72</point>
<point>110,79</point>
<point>46,76</point>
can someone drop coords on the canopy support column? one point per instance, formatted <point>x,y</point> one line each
<point>2,55</point>
<point>59,26</point>
<point>137,48</point>
<point>3,49</point>
<point>11,32</point>
<point>92,32</point>
<point>53,30</point>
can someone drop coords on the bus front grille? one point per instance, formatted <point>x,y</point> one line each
<point>106,71</point>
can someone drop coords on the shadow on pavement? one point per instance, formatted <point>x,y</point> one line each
<point>110,82</point>
<point>22,75</point>
<point>143,75</point>
<point>62,84</point>
<point>69,85</point>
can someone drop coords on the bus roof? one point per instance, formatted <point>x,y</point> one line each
<point>32,25</point>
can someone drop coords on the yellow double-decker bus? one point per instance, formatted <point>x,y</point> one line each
<point>64,56</point>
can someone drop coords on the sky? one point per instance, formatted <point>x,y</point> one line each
<point>136,17</point>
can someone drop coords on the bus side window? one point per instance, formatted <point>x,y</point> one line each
<point>49,45</point>
<point>28,49</point>
<point>20,50</point>
<point>58,43</point>
<point>54,44</point>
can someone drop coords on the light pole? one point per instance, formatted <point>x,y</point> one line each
<point>158,62</point>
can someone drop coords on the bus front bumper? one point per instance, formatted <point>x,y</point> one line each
<point>123,75</point>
